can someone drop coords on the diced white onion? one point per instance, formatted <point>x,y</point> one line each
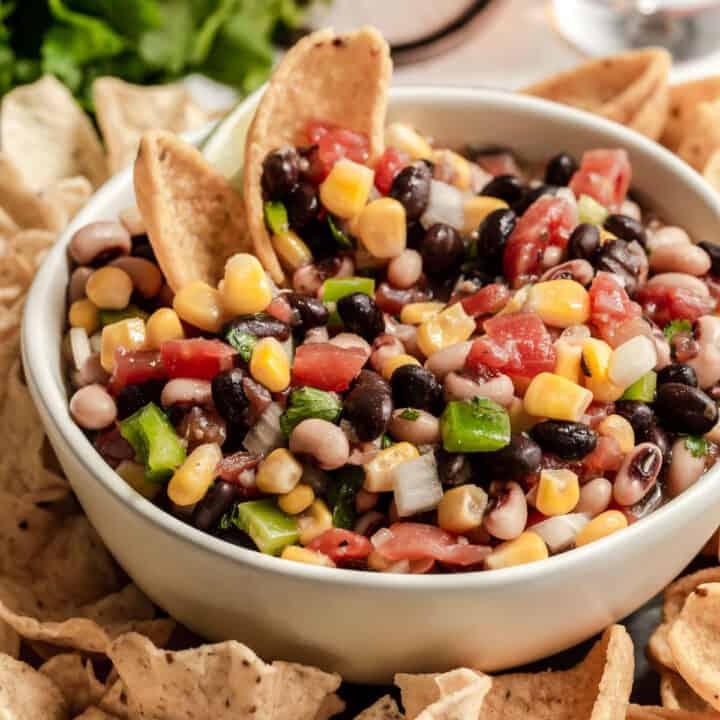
<point>265,435</point>
<point>382,536</point>
<point>444,206</point>
<point>401,567</point>
<point>96,342</point>
<point>79,346</point>
<point>567,194</point>
<point>631,360</point>
<point>417,485</point>
<point>559,532</point>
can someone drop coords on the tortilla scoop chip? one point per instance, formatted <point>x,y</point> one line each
<point>676,694</point>
<point>340,79</point>
<point>384,709</point>
<point>658,650</point>
<point>96,714</point>
<point>75,678</point>
<point>703,135</point>
<point>26,694</point>
<point>651,712</point>
<point>301,691</point>
<point>684,99</point>
<point>194,219</point>
<point>461,697</point>
<point>677,592</point>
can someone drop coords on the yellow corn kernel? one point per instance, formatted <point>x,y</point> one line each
<point>127,334</point>
<point>381,227</point>
<point>603,390</point>
<point>246,288</point>
<point>454,168</point>
<point>448,327</point>
<point>376,562</point>
<point>164,324</point>
<point>517,301</point>
<point>418,313</point>
<point>604,524</point>
<point>606,235</point>
<point>556,397</point>
<point>528,547</point>
<point>406,139</point>
<point>292,251</point>
<point>477,208</point>
<point>461,508</point>
<point>84,314</point>
<point>300,498</point>
<point>109,288</point>
<point>520,421</point>
<point>558,491</point>
<point>596,358</point>
<point>134,475</point>
<point>568,361</point>
<point>618,427</point>
<point>199,304</point>
<point>560,303</point>
<point>194,477</point>
<point>393,363</point>
<point>314,522</point>
<point>345,190</point>
<point>378,472</point>
<point>303,555</point>
<point>270,364</point>
<point>279,473</point>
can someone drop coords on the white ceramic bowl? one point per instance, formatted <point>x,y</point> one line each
<point>363,625</point>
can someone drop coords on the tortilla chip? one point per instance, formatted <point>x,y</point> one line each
<point>461,696</point>
<point>341,79</point>
<point>658,650</point>
<point>96,714</point>
<point>48,136</point>
<point>651,712</point>
<point>33,245</point>
<point>711,172</point>
<point>676,694</point>
<point>26,694</point>
<point>115,701</point>
<point>8,227</point>
<point>301,691</point>
<point>76,680</point>
<point>194,219</point>
<point>70,194</point>
<point>677,593</point>
<point>650,119</point>
<point>331,706</point>
<point>125,111</point>
<point>684,100</point>
<point>702,138</point>
<point>384,709</point>
<point>417,691</point>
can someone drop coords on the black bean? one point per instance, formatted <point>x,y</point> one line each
<point>713,251</point>
<point>657,436</point>
<point>136,395</point>
<point>280,172</point>
<point>361,315</point>
<point>142,248</point>
<point>415,387</point>
<point>229,396</point>
<point>441,249</point>
<point>313,311</point>
<point>560,169</point>
<point>505,187</point>
<point>584,242</point>
<point>685,409</point>
<point>493,234</point>
<point>615,257</point>
<point>411,187</point>
<point>302,205</point>
<point>639,414</point>
<point>531,195</point>
<point>678,373</point>
<point>260,325</point>
<point>369,406</point>
<point>453,468</point>
<point>567,440</point>
<point>626,228</point>
<point>319,238</point>
<point>521,457</point>
<point>214,505</point>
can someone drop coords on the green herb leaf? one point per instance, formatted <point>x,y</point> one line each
<point>698,446</point>
<point>242,342</point>
<point>341,238</point>
<point>409,414</point>
<point>386,442</point>
<point>676,326</point>
<point>309,402</point>
<point>276,217</point>
<point>341,494</point>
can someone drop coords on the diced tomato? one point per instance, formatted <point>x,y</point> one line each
<point>196,358</point>
<point>392,300</point>
<point>136,367</point>
<point>607,456</point>
<point>517,344</point>
<point>327,366</point>
<point>238,470</point>
<point>501,163</point>
<point>547,222</point>
<point>610,305</point>
<point>663,303</point>
<point>416,541</point>
<point>334,143</point>
<point>339,545</point>
<point>604,175</point>
<point>488,300</point>
<point>389,164</point>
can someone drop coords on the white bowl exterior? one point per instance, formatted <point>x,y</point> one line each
<point>369,626</point>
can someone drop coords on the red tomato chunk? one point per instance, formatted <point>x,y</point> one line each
<point>339,545</point>
<point>663,303</point>
<point>604,175</point>
<point>327,366</point>
<point>610,305</point>
<point>196,358</point>
<point>334,143</point>
<point>487,300</point>
<point>136,367</point>
<point>390,163</point>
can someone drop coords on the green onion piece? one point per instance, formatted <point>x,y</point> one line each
<point>155,442</point>
<point>269,527</point>
<point>242,342</point>
<point>409,414</point>
<point>386,442</point>
<point>642,389</point>
<point>108,317</point>
<point>591,211</point>
<point>276,217</point>
<point>309,402</point>
<point>336,288</point>
<point>341,238</point>
<point>341,494</point>
<point>676,326</point>
<point>698,446</point>
<point>477,425</point>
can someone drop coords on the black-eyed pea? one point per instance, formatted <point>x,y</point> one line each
<point>595,496</point>
<point>145,275</point>
<point>323,441</point>
<point>99,238</point>
<point>93,408</point>
<point>507,516</point>
<point>685,468</point>
<point>418,427</point>
<point>459,387</point>
<point>707,362</point>
<point>78,282</point>
<point>405,270</point>
<point>637,474</point>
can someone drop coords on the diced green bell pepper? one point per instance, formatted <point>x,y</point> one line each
<point>276,217</point>
<point>591,211</point>
<point>341,494</point>
<point>269,527</point>
<point>336,288</point>
<point>477,425</point>
<point>108,317</point>
<point>309,402</point>
<point>642,389</point>
<point>341,238</point>
<point>243,342</point>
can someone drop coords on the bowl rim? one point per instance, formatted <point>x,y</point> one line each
<point>53,401</point>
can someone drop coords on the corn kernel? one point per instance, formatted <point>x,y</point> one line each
<point>596,358</point>
<point>604,524</point>
<point>291,250</point>
<point>279,473</point>
<point>568,361</point>
<point>451,326</point>
<point>109,288</point>
<point>393,363</point>
<point>520,421</point>
<point>528,547</point>
<point>346,189</point>
<point>378,472</point>
<point>164,324</point>
<point>477,208</point>
<point>127,334</point>
<point>461,508</point>
<point>194,477</point>
<point>556,397</point>
<point>381,227</point>
<point>199,304</point>
<point>270,365</point>
<point>246,288</point>
<point>406,139</point>
<point>558,491</point>
<point>134,475</point>
<point>454,169</point>
<point>84,314</point>
<point>618,427</point>
<point>560,303</point>
<point>303,555</point>
<point>314,522</point>
<point>517,301</point>
<point>603,390</point>
<point>299,499</point>
<point>418,313</point>
<point>606,236</point>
